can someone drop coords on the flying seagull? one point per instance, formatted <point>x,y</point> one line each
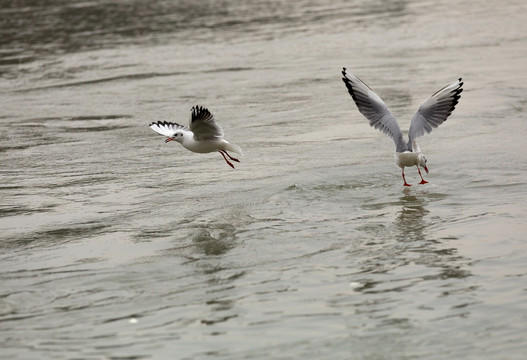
<point>203,135</point>
<point>432,113</point>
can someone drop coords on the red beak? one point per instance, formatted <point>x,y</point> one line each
<point>426,169</point>
<point>169,139</point>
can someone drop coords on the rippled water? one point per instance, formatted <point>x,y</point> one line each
<point>115,245</point>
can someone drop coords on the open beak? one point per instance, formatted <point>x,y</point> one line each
<point>169,139</point>
<point>426,169</point>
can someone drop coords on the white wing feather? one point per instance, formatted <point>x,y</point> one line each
<point>167,128</point>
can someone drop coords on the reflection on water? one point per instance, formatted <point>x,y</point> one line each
<point>224,239</point>
<point>70,26</point>
<point>32,28</point>
<point>415,254</point>
<point>410,220</point>
<point>404,258</point>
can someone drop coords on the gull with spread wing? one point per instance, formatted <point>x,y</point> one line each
<point>432,113</point>
<point>203,135</point>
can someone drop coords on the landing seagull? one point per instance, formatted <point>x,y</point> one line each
<point>432,113</point>
<point>203,135</point>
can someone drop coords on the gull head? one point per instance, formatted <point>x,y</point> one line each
<point>422,162</point>
<point>178,136</point>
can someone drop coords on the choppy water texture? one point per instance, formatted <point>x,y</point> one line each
<point>115,245</point>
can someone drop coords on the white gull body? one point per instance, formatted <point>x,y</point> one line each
<point>432,113</point>
<point>203,135</point>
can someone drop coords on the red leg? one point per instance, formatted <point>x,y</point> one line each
<point>228,162</point>
<point>405,183</point>
<point>423,181</point>
<point>230,157</point>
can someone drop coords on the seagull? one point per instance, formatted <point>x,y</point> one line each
<point>432,113</point>
<point>203,135</point>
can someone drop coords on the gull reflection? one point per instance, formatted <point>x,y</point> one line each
<point>413,226</point>
<point>215,241</point>
<point>410,222</point>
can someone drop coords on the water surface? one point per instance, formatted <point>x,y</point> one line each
<point>116,245</point>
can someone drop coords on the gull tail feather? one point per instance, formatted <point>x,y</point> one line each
<point>231,147</point>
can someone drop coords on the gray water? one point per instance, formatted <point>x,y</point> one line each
<point>115,245</point>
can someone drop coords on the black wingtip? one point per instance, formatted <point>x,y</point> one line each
<point>200,113</point>
<point>456,96</point>
<point>164,123</point>
<point>198,109</point>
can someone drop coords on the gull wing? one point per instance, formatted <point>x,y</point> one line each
<point>167,128</point>
<point>203,124</point>
<point>435,110</point>
<point>374,109</point>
